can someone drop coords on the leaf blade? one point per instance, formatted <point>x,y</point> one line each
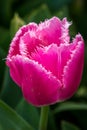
<point>10,120</point>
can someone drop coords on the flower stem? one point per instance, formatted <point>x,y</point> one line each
<point>44,118</point>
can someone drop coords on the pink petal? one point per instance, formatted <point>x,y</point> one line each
<point>44,63</point>
<point>14,46</point>
<point>65,37</point>
<point>50,31</point>
<point>28,44</point>
<point>32,27</point>
<point>53,31</point>
<point>16,67</point>
<point>73,69</point>
<point>53,58</point>
<point>47,57</point>
<point>39,86</point>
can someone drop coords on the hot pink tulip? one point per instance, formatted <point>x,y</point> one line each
<point>44,63</point>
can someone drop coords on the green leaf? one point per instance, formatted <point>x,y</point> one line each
<point>16,23</point>
<point>28,6</point>
<point>4,38</point>
<point>5,11</point>
<point>68,126</point>
<point>38,14</point>
<point>73,109</point>
<point>69,106</point>
<point>62,12</point>
<point>54,5</point>
<point>10,120</point>
<point>2,65</point>
<point>10,93</point>
<point>28,112</point>
<point>82,93</point>
<point>84,78</point>
<point>51,121</point>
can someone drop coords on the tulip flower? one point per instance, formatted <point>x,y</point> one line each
<point>45,63</point>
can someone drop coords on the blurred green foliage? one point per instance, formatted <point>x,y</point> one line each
<point>70,115</point>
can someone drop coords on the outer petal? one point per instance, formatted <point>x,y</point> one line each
<point>39,86</point>
<point>73,69</point>
<point>16,68</point>
<point>14,46</point>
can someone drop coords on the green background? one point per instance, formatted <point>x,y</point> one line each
<point>15,113</point>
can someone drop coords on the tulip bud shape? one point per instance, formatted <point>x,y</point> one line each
<point>44,63</point>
